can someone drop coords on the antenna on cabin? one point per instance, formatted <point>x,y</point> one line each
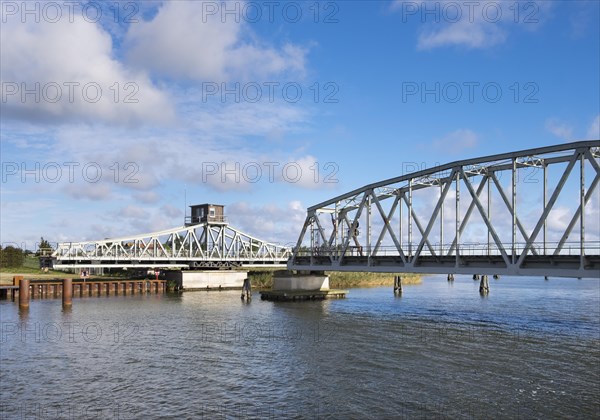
<point>184,203</point>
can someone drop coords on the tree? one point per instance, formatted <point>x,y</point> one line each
<point>44,248</point>
<point>11,257</point>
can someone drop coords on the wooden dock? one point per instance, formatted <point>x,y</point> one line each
<point>298,295</point>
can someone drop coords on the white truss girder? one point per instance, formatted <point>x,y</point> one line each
<point>199,245</point>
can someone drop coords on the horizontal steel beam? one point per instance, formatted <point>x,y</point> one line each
<point>566,147</point>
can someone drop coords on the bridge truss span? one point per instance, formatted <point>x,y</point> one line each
<point>203,245</point>
<point>531,212</point>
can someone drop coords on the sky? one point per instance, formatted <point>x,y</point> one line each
<point>115,116</point>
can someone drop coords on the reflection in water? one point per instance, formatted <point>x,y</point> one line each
<point>530,349</point>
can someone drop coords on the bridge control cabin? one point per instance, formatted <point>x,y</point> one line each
<point>206,213</point>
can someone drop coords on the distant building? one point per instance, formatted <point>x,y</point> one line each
<point>207,213</point>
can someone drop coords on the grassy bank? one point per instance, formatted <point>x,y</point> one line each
<point>263,279</point>
<point>341,280</point>
<point>29,269</point>
<point>260,279</point>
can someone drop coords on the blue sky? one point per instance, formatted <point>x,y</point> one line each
<point>113,118</point>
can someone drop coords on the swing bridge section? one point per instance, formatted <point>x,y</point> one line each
<point>207,245</point>
<point>527,213</point>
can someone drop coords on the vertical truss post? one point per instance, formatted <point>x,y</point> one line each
<point>337,226</point>
<point>545,175</point>
<point>457,225</point>
<point>582,204</point>
<point>489,214</point>
<point>312,239</point>
<point>514,206</point>
<point>400,205</point>
<point>410,218</point>
<point>368,204</point>
<point>442,222</point>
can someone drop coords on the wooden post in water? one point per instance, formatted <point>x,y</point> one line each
<point>23,293</point>
<point>17,280</point>
<point>247,290</point>
<point>67,292</point>
<point>397,285</point>
<point>484,287</point>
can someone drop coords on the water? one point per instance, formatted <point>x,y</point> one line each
<point>529,350</point>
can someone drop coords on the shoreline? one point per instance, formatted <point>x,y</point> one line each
<point>260,279</point>
<point>263,279</point>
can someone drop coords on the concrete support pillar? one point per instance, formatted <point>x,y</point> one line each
<point>67,292</point>
<point>23,293</point>
<point>484,287</point>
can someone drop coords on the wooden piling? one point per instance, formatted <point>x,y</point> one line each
<point>398,285</point>
<point>17,280</point>
<point>23,293</point>
<point>67,292</point>
<point>484,287</point>
<point>247,290</point>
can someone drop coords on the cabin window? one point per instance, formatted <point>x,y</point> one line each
<point>211,212</point>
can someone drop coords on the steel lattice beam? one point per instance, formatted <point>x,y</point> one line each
<point>199,245</point>
<point>510,238</point>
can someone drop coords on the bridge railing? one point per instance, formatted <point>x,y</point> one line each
<point>464,249</point>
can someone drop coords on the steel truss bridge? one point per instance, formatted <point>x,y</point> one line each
<point>532,212</point>
<point>204,245</point>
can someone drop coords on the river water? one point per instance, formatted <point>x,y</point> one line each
<point>531,349</point>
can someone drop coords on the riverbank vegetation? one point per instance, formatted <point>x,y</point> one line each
<point>260,279</point>
<point>263,279</point>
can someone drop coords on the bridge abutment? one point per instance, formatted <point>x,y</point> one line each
<point>207,280</point>
<point>303,285</point>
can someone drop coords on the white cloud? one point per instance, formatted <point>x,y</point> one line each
<point>194,45</point>
<point>593,132</point>
<point>133,212</point>
<point>269,222</point>
<point>559,129</point>
<point>147,197</point>
<point>457,141</point>
<point>476,25</point>
<point>477,34</point>
<point>71,70</point>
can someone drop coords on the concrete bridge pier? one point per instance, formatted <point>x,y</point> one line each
<point>207,279</point>
<point>484,286</point>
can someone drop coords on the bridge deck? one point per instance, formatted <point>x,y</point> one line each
<point>541,265</point>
